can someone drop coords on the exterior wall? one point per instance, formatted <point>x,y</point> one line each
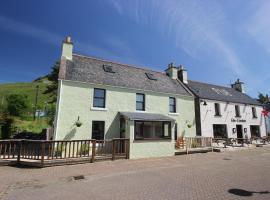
<point>208,118</point>
<point>144,149</point>
<point>268,126</point>
<point>76,99</point>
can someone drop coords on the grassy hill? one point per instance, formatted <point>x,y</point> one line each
<point>28,89</point>
<point>26,122</point>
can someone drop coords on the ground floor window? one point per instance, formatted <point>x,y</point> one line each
<point>255,131</point>
<point>220,130</point>
<point>152,130</point>
<point>98,130</point>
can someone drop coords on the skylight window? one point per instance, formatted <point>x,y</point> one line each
<point>108,68</point>
<point>222,92</point>
<point>151,76</point>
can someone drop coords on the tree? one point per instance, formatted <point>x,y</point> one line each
<point>264,99</point>
<point>6,122</point>
<point>51,89</point>
<point>17,104</point>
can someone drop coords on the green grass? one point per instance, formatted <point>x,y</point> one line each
<point>25,88</point>
<point>25,122</point>
<point>31,126</point>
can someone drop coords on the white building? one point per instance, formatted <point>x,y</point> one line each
<point>226,112</point>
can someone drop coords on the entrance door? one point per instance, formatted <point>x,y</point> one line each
<point>239,130</point>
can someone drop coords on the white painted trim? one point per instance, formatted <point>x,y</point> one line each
<point>99,109</point>
<point>175,114</point>
<point>141,111</point>
<point>59,95</point>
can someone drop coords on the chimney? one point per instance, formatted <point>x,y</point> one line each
<point>67,48</point>
<point>171,71</point>
<point>182,75</point>
<point>239,86</point>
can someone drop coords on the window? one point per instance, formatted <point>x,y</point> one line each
<point>98,130</point>
<point>220,130</point>
<point>254,112</point>
<point>140,101</point>
<point>152,130</point>
<point>217,109</point>
<point>108,68</point>
<point>172,105</point>
<point>99,98</point>
<point>151,76</point>
<point>255,131</point>
<point>237,111</point>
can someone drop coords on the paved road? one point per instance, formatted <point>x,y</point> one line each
<point>217,176</point>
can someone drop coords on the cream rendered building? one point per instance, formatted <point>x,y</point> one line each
<point>113,100</point>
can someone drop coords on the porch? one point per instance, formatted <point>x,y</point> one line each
<point>150,134</point>
<point>39,153</point>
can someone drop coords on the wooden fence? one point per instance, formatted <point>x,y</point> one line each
<point>59,151</point>
<point>194,144</point>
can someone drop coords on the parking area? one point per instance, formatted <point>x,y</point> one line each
<point>226,175</point>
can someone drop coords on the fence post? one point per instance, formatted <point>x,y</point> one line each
<point>42,153</point>
<point>187,143</point>
<point>113,149</point>
<point>19,151</point>
<point>211,143</point>
<point>93,151</point>
<point>127,146</point>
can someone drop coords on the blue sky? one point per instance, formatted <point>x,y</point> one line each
<point>217,41</point>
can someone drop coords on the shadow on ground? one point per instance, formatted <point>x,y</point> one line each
<point>245,193</point>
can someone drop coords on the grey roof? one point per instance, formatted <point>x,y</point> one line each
<point>145,116</point>
<point>220,93</point>
<point>88,69</point>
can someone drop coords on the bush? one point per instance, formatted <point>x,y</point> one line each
<point>17,104</point>
<point>6,126</point>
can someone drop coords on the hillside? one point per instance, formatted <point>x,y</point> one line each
<point>28,89</point>
<point>26,123</point>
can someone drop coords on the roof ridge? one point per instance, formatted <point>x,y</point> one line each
<point>118,63</point>
<point>211,84</point>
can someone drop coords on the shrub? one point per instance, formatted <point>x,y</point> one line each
<point>17,104</point>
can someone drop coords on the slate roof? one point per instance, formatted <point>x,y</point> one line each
<point>145,116</point>
<point>88,69</point>
<point>220,93</point>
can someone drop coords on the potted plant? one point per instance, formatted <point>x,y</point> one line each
<point>78,123</point>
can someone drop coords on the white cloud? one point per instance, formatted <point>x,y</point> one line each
<point>28,30</point>
<point>196,27</point>
<point>49,37</point>
<point>258,25</point>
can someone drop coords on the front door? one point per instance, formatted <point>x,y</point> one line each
<point>239,131</point>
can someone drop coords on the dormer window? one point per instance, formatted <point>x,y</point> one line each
<point>108,68</point>
<point>150,76</point>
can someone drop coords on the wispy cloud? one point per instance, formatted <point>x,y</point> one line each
<point>201,29</point>
<point>195,26</point>
<point>258,25</point>
<point>114,44</point>
<point>29,30</point>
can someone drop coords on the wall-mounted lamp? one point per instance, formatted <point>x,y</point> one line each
<point>245,130</point>
<point>234,130</point>
<point>204,102</point>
